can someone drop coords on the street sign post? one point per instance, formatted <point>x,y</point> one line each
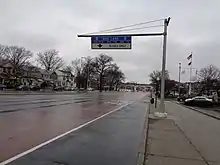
<point>111,42</point>
<point>123,41</point>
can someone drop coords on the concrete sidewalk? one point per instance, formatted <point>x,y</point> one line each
<point>168,145</point>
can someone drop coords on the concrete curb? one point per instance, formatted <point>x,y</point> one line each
<point>143,143</point>
<point>200,111</point>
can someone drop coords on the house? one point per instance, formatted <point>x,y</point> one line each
<point>6,72</point>
<point>35,76</point>
<point>63,78</point>
<point>28,75</point>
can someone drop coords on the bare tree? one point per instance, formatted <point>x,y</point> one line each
<point>18,57</point>
<point>102,63</point>
<point>77,66</point>
<point>3,51</point>
<point>50,60</point>
<point>88,68</point>
<point>114,76</point>
<point>209,77</point>
<point>210,72</point>
<point>155,76</point>
<point>68,68</point>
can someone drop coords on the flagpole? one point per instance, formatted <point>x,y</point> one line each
<point>179,78</point>
<point>190,78</point>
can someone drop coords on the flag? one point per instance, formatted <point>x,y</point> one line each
<point>190,63</point>
<point>189,57</point>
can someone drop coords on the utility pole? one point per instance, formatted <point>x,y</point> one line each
<point>162,105</point>
<point>179,78</point>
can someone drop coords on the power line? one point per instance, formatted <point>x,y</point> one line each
<point>134,29</point>
<point>123,27</point>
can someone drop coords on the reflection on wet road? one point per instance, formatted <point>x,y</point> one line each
<point>28,120</point>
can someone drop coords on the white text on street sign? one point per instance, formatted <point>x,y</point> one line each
<point>111,42</point>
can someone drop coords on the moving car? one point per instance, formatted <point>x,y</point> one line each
<point>69,89</point>
<point>34,87</point>
<point>23,88</point>
<point>199,101</point>
<point>58,88</point>
<point>2,87</point>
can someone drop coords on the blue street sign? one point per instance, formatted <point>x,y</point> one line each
<point>111,42</point>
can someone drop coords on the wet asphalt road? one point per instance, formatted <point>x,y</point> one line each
<point>29,120</point>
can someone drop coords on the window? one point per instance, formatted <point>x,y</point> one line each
<point>4,70</point>
<point>200,98</point>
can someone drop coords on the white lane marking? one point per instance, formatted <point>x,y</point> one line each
<point>60,136</point>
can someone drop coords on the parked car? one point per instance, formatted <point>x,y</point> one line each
<point>182,98</point>
<point>199,101</point>
<point>34,87</point>
<point>2,87</point>
<point>23,88</point>
<point>58,88</point>
<point>68,88</point>
<point>81,89</point>
<point>90,89</point>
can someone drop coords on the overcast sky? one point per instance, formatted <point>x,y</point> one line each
<point>45,24</point>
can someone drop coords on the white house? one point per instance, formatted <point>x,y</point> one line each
<point>6,70</point>
<point>63,78</point>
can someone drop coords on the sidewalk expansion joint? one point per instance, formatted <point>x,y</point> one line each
<point>203,158</point>
<point>166,156</point>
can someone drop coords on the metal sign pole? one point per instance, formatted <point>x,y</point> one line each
<point>107,37</point>
<point>162,105</point>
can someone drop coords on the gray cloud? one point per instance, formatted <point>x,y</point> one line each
<point>46,24</point>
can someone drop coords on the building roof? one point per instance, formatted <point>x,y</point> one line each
<point>5,63</point>
<point>62,72</point>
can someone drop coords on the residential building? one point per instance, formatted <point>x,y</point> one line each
<point>63,78</point>
<point>6,72</point>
